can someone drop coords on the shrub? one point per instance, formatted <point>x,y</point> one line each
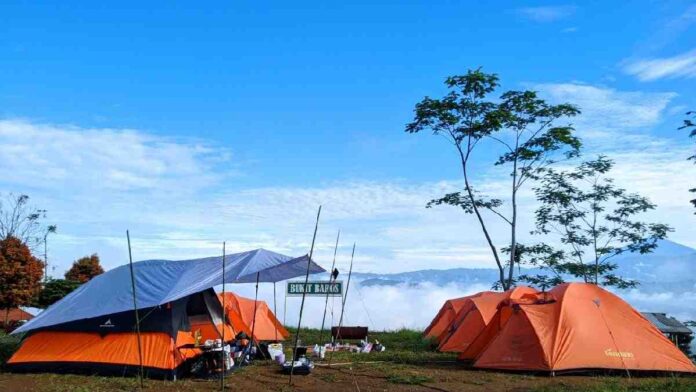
<point>8,345</point>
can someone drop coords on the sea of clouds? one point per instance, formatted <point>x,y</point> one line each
<point>414,306</point>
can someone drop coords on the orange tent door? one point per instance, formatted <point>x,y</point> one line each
<point>240,312</point>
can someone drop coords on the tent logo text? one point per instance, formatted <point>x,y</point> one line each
<point>618,354</point>
<point>107,324</point>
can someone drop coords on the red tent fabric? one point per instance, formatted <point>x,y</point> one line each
<point>586,327</point>
<point>15,314</point>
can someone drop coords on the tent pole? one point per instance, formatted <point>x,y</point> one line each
<point>274,309</point>
<point>331,279</point>
<point>304,293</point>
<point>135,310</point>
<point>285,307</point>
<point>343,306</point>
<point>253,319</point>
<point>224,321</point>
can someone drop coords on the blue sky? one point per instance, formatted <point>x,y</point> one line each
<point>191,125</point>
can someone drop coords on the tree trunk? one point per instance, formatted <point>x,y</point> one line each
<point>501,270</point>
<point>513,225</point>
<point>513,222</point>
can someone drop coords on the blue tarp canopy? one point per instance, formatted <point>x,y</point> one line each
<point>161,281</point>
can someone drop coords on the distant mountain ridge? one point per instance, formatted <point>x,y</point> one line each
<point>671,267</point>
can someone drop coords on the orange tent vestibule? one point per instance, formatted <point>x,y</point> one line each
<point>240,313</point>
<point>475,315</point>
<point>444,318</point>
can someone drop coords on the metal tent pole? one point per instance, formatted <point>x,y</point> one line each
<point>304,293</point>
<point>331,279</point>
<point>274,309</point>
<point>343,306</point>
<point>135,310</point>
<point>285,307</point>
<point>224,318</point>
<point>253,319</point>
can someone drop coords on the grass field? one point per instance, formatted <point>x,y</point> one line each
<point>409,364</point>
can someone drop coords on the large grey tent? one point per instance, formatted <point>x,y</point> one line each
<point>92,328</point>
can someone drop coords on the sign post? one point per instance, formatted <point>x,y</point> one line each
<point>315,288</point>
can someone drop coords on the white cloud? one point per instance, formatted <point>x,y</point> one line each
<point>414,306</point>
<point>378,307</point>
<point>45,156</point>
<point>547,13</point>
<point>609,109</point>
<point>649,69</point>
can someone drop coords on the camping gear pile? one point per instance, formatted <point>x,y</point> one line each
<point>302,365</point>
<point>573,327</point>
<point>97,330</point>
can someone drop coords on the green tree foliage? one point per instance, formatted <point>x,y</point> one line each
<point>54,290</point>
<point>519,123</point>
<point>690,124</point>
<point>84,269</point>
<point>594,221</point>
<point>20,274</point>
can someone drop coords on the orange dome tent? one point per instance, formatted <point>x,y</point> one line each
<point>475,315</point>
<point>444,318</point>
<point>586,327</point>
<point>240,313</point>
<point>496,323</point>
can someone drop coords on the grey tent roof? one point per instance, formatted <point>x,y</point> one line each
<point>162,281</point>
<point>666,324</point>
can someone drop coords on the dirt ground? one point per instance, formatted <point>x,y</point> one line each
<point>355,377</point>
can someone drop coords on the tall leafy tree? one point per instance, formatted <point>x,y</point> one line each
<point>690,124</point>
<point>54,290</point>
<point>21,220</point>
<point>20,274</point>
<point>84,269</point>
<point>520,123</point>
<point>594,220</point>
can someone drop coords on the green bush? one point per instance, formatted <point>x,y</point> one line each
<point>8,345</point>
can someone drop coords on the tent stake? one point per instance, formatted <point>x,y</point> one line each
<point>224,321</point>
<point>331,279</point>
<point>135,310</point>
<point>304,292</point>
<point>343,306</point>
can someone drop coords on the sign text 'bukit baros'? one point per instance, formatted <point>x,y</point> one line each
<point>320,288</point>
